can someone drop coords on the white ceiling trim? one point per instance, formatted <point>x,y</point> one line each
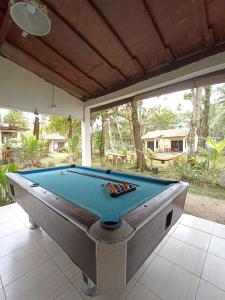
<point>202,67</point>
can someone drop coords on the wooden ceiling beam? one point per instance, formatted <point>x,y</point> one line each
<point>167,48</point>
<point>57,57</point>
<point>209,32</point>
<point>21,58</point>
<point>99,54</point>
<point>72,64</point>
<point>178,63</point>
<point>5,26</point>
<point>119,41</point>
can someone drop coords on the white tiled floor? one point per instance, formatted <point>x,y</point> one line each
<point>189,264</point>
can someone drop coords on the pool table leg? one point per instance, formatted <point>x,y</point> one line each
<point>33,224</point>
<point>88,287</point>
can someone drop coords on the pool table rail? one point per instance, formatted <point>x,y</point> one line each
<point>143,213</point>
<point>66,209</point>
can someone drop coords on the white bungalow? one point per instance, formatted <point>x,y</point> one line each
<point>170,140</point>
<point>55,141</point>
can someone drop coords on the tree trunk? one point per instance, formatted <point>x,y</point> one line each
<point>141,163</point>
<point>194,124</point>
<point>110,135</point>
<point>205,116</point>
<point>102,143</point>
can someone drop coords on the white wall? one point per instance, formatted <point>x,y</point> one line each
<point>23,90</point>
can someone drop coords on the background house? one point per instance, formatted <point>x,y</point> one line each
<point>171,140</point>
<point>8,132</point>
<point>55,141</point>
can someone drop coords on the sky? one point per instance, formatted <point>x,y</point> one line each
<point>170,100</point>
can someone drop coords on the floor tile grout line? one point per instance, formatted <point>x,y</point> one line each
<point>207,251</point>
<point>189,244</point>
<point>131,289</point>
<point>148,288</point>
<point>197,228</point>
<point>147,266</point>
<point>204,264</point>
<point>51,257</point>
<point>16,249</point>
<point>1,284</point>
<point>215,286</point>
<point>15,232</point>
<point>61,271</point>
<point>25,273</point>
<point>168,237</point>
<point>48,256</point>
<point>20,219</point>
<point>178,265</point>
<point>136,280</point>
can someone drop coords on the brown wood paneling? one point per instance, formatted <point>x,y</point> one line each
<point>101,46</point>
<point>83,18</point>
<point>78,52</point>
<point>182,24</point>
<point>31,64</point>
<point>4,5</point>
<point>216,18</point>
<point>36,48</point>
<point>5,26</point>
<point>131,20</point>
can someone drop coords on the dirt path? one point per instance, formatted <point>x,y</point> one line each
<point>205,207</point>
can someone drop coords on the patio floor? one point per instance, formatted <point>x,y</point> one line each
<point>188,264</point>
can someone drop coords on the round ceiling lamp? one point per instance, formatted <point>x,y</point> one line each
<point>31,16</point>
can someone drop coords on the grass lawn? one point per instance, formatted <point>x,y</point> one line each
<point>167,170</point>
<point>59,157</point>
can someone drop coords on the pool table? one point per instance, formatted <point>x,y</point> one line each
<point>107,238</point>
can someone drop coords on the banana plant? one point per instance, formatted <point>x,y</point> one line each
<point>213,151</point>
<point>4,189</point>
<point>31,148</point>
<point>73,145</point>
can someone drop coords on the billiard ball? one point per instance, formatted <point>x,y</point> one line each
<point>62,173</point>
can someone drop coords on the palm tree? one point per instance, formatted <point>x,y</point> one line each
<point>31,148</point>
<point>73,145</point>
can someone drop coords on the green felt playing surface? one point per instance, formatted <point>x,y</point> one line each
<point>89,193</point>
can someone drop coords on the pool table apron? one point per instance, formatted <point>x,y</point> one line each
<point>110,263</point>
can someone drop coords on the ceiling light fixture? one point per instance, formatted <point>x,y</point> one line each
<point>31,16</point>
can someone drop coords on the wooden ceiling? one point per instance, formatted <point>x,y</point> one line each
<point>99,46</point>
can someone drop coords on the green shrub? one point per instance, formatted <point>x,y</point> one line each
<point>197,173</point>
<point>50,162</point>
<point>5,196</point>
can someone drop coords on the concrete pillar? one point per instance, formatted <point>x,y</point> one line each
<point>86,138</point>
<point>154,145</point>
<point>51,146</point>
